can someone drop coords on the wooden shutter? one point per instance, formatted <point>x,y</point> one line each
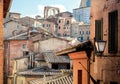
<point>98,29</point>
<point>113,32</point>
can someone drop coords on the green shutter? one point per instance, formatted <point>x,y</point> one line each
<point>113,32</point>
<point>98,29</point>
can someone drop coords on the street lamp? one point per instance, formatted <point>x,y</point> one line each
<point>100,46</point>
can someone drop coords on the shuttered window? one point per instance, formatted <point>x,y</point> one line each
<point>113,32</point>
<point>99,29</point>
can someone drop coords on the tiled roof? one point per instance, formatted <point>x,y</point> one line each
<point>52,58</point>
<point>43,71</point>
<point>39,57</point>
<point>22,36</point>
<point>75,46</point>
<point>60,79</point>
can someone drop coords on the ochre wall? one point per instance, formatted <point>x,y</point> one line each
<point>82,58</point>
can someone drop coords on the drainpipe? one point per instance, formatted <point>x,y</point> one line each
<point>88,67</point>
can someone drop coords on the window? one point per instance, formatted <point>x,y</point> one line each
<point>54,66</point>
<point>79,77</point>
<point>88,38</point>
<point>113,82</point>
<point>59,27</point>
<point>98,29</point>
<point>113,32</point>
<point>68,22</point>
<point>80,39</point>
<point>59,21</point>
<point>64,34</point>
<point>89,32</point>
<point>49,25</point>
<point>25,53</point>
<point>86,32</point>
<point>24,46</point>
<point>43,25</point>
<point>60,66</point>
<point>80,32</point>
<point>59,34</point>
<point>64,27</point>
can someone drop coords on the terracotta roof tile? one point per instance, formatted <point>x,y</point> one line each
<point>60,79</point>
<point>52,58</point>
<point>44,70</point>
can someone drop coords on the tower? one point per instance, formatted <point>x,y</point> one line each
<point>50,11</point>
<point>85,3</point>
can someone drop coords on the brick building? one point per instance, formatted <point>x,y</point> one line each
<point>12,26</point>
<point>105,25</point>
<point>14,47</point>
<point>50,25</point>
<point>4,8</point>
<point>80,30</point>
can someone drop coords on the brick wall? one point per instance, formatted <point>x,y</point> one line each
<point>1,42</point>
<point>13,49</point>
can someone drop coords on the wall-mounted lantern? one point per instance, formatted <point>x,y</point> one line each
<point>100,47</point>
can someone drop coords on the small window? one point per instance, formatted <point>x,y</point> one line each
<point>24,46</point>
<point>80,39</point>
<point>49,25</point>
<point>80,32</point>
<point>89,32</point>
<point>88,38</point>
<point>43,25</point>
<point>59,21</point>
<point>59,34</point>
<point>99,29</point>
<point>55,66</point>
<point>25,53</point>
<point>68,22</point>
<point>5,25</point>
<point>86,32</point>
<point>64,34</point>
<point>113,82</point>
<point>59,27</point>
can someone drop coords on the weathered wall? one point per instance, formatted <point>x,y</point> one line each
<point>52,44</point>
<point>106,67</point>
<point>1,41</point>
<point>82,58</point>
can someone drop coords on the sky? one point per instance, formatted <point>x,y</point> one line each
<point>36,7</point>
